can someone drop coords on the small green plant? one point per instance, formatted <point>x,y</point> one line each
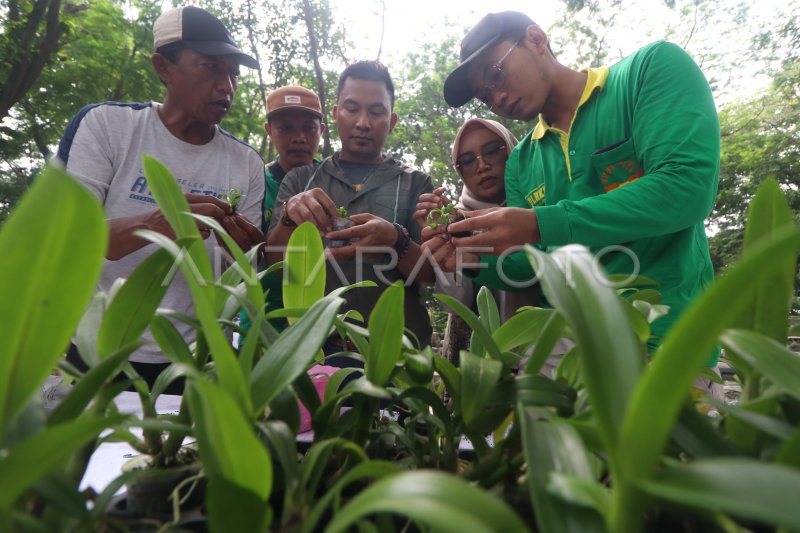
<point>233,197</point>
<point>343,212</point>
<point>443,216</point>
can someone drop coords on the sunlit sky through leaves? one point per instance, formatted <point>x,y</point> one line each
<point>637,22</point>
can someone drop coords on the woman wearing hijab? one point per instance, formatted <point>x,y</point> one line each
<point>479,155</point>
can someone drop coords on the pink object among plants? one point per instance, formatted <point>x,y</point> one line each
<point>320,374</point>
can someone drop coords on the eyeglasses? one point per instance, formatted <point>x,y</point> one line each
<point>494,80</point>
<point>491,154</point>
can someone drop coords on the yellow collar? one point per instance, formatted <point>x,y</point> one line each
<point>596,79</point>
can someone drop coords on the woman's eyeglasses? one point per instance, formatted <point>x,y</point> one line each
<point>491,154</point>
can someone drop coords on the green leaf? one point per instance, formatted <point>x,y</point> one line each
<point>368,470</point>
<point>663,388</point>
<point>132,308</point>
<point>582,492</point>
<point>772,359</point>
<point>241,269</point>
<point>86,388</point>
<point>695,436</point>
<point>749,414</point>
<point>89,328</point>
<point>193,260</point>
<point>522,329</point>
<point>280,441</point>
<point>419,365</point>
<point>315,461</point>
<point>789,452</point>
<point>742,429</point>
<point>554,447</point>
<point>285,407</point>
<point>611,355</point>
<point>487,309</point>
<point>770,297</point>
<point>441,501</point>
<point>386,325</point>
<point>742,487</point>
<point>304,268</point>
<point>170,199</point>
<point>171,342</point>
<point>231,507</point>
<point>650,296</point>
<point>550,334</point>
<point>293,351</point>
<point>45,452</point>
<point>57,260</point>
<point>232,455</point>
<point>478,329</point>
<point>479,376</point>
<point>367,388</point>
<point>637,320</point>
<point>536,390</point>
<point>450,375</point>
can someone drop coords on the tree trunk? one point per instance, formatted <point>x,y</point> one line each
<point>456,338</point>
<point>383,30</point>
<point>308,13</point>
<point>254,49</point>
<point>32,52</point>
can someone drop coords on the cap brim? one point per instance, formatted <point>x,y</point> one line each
<point>294,108</point>
<point>457,91</point>
<point>218,48</point>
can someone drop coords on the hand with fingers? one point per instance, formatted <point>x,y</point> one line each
<point>313,206</point>
<point>438,242</point>
<point>242,231</point>
<point>427,202</point>
<point>497,229</point>
<point>207,205</point>
<point>200,204</point>
<point>369,231</point>
<point>238,227</point>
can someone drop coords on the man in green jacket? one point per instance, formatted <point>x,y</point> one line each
<point>624,160</point>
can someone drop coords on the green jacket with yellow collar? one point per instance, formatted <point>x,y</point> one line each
<point>633,179</point>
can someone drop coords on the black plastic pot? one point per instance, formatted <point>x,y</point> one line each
<point>147,497</point>
<point>339,224</point>
<point>149,493</point>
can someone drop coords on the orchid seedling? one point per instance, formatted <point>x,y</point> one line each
<point>233,197</point>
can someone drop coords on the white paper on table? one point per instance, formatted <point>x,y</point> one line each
<point>106,462</point>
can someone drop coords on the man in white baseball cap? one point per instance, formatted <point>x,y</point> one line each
<point>198,61</point>
<point>199,30</point>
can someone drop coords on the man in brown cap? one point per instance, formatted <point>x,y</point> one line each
<point>294,125</point>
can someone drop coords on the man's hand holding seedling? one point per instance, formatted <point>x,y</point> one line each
<point>238,227</point>
<point>367,230</point>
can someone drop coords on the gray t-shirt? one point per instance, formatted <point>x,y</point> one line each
<point>103,148</point>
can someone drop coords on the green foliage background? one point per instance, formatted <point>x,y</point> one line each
<point>104,54</point>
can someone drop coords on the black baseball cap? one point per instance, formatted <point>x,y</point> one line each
<point>199,30</point>
<point>490,30</point>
